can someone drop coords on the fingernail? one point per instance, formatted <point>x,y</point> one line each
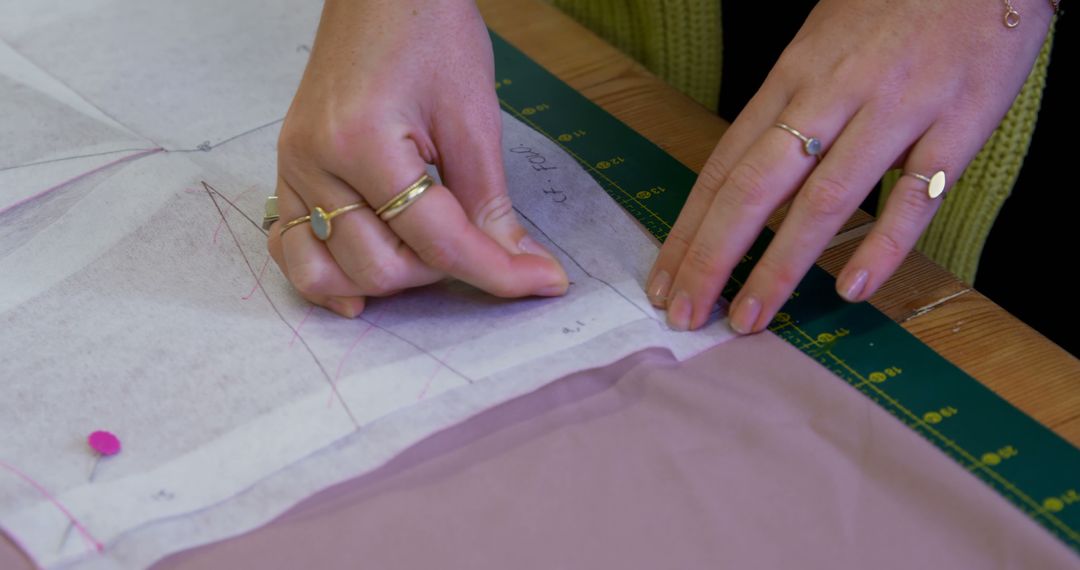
<point>533,247</point>
<point>347,308</point>
<point>659,288</point>
<point>745,314</point>
<point>678,313</point>
<point>854,285</point>
<point>553,290</point>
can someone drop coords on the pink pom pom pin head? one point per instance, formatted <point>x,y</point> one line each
<point>104,443</point>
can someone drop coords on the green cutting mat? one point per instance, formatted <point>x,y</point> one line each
<point>1025,462</point>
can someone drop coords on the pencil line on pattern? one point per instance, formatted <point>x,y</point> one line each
<point>233,205</point>
<point>210,192</point>
<point>73,157</point>
<point>217,230</point>
<point>89,479</point>
<point>201,148</point>
<point>421,349</point>
<point>56,502</point>
<point>258,280</point>
<point>344,357</point>
<point>296,331</point>
<point>206,147</point>
<point>582,267</point>
<point>434,373</point>
<point>79,177</point>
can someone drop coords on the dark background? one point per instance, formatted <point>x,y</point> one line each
<point>1031,254</point>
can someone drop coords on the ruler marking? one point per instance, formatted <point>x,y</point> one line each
<point>1038,508</point>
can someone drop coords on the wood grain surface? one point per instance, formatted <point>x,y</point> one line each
<point>965,327</point>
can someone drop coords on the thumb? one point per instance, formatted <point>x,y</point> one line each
<point>471,165</point>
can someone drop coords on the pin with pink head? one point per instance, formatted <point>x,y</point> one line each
<point>104,442</point>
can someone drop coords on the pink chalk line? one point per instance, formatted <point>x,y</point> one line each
<point>337,373</point>
<point>341,363</point>
<point>438,368</point>
<point>81,176</point>
<point>258,280</point>
<point>296,331</point>
<point>45,493</point>
<point>220,224</point>
<point>225,213</point>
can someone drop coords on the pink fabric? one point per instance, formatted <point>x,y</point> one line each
<point>748,456</point>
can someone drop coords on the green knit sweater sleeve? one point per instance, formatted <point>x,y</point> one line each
<point>956,236</point>
<point>679,40</point>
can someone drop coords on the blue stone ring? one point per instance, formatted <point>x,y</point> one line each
<point>320,220</point>
<point>811,145</point>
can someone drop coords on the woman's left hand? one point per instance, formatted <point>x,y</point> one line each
<point>917,84</point>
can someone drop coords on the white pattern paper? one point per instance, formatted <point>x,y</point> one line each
<point>137,295</point>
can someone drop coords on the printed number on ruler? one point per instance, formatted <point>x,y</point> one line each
<point>535,109</point>
<point>654,191</point>
<point>606,164</point>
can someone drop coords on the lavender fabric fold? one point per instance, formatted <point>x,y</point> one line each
<point>747,456</point>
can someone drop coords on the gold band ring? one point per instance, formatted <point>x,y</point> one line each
<point>292,224</point>
<point>404,199</point>
<point>935,184</point>
<point>811,146</point>
<point>320,220</point>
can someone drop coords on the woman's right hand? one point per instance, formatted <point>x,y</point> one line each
<point>393,85</point>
